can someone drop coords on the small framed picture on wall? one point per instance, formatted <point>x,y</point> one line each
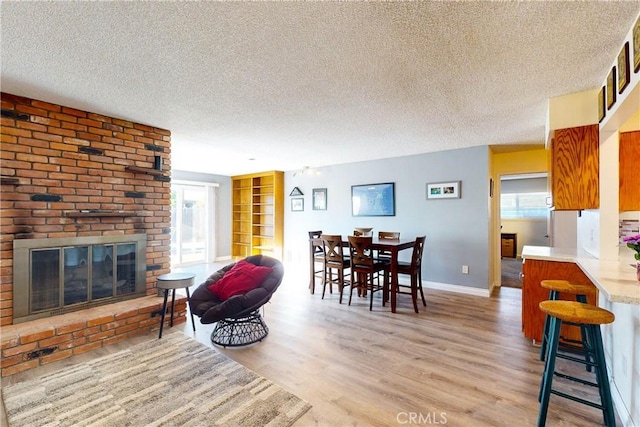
<point>624,69</point>
<point>602,109</point>
<point>636,46</point>
<point>319,199</point>
<point>297,204</point>
<point>443,190</point>
<point>611,88</point>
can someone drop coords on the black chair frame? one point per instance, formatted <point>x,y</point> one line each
<point>240,331</point>
<point>238,320</point>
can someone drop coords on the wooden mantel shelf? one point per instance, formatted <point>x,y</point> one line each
<point>100,214</point>
<point>148,171</point>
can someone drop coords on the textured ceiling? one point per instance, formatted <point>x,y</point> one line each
<point>295,84</point>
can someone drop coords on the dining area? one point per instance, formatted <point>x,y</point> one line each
<point>367,263</point>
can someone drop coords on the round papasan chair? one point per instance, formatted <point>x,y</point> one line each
<point>232,296</point>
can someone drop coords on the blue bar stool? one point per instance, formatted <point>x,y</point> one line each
<point>581,292</point>
<point>590,317</point>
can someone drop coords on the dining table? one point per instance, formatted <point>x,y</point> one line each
<point>392,246</point>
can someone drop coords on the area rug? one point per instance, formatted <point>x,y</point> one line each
<point>173,381</point>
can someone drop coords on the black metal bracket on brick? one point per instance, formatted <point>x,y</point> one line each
<point>42,352</point>
<point>155,148</point>
<point>158,312</point>
<point>9,180</point>
<point>45,198</point>
<point>135,194</point>
<point>11,114</point>
<point>89,150</point>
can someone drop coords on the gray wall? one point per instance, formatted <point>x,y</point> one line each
<point>457,230</point>
<point>223,207</point>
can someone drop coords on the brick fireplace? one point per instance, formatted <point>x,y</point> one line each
<point>71,174</point>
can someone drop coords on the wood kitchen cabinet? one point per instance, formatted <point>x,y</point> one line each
<point>575,168</point>
<point>258,214</point>
<point>534,271</point>
<point>629,171</point>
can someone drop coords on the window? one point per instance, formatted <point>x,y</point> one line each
<point>524,205</point>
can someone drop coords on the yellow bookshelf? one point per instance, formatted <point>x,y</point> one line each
<point>258,214</point>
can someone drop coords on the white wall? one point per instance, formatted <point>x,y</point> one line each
<point>457,229</point>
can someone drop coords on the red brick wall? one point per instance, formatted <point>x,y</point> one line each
<point>57,160</point>
<point>31,344</point>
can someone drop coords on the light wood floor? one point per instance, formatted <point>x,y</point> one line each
<point>461,362</point>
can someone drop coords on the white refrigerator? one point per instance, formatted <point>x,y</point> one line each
<point>562,229</point>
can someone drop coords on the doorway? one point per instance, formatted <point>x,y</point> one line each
<point>192,223</point>
<point>524,213</point>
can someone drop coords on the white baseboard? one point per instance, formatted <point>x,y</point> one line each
<point>457,288</point>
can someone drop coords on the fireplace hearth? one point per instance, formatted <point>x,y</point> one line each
<point>60,275</point>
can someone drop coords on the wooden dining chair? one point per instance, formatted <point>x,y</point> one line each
<point>414,270</point>
<point>334,259</point>
<point>387,235</point>
<point>317,258</point>
<point>390,235</point>
<point>364,267</point>
<point>363,231</point>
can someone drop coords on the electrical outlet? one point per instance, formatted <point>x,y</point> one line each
<point>465,269</point>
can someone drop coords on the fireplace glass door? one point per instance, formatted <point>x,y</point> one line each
<point>74,275</point>
<point>45,270</point>
<point>89,273</point>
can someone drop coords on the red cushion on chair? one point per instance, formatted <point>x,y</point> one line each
<point>242,278</point>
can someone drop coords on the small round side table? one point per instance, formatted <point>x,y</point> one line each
<point>173,281</point>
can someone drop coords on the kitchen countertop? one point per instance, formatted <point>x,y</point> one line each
<point>616,280</point>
